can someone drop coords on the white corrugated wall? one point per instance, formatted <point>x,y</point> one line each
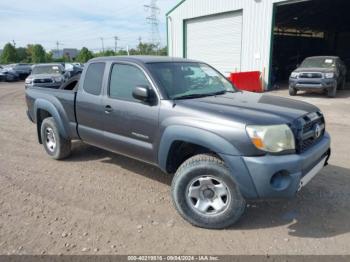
<point>256,33</point>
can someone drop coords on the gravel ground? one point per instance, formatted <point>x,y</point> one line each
<point>97,202</point>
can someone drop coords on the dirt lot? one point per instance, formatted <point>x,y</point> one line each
<point>97,202</point>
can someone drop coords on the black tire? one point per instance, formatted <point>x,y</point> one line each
<point>62,148</point>
<point>332,91</point>
<point>204,165</point>
<point>292,91</point>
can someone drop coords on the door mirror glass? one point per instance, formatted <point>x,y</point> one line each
<point>141,93</point>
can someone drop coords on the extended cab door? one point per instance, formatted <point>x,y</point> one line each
<point>130,125</point>
<point>89,108</point>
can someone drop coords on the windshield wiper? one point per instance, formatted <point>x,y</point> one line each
<point>190,96</point>
<point>200,95</point>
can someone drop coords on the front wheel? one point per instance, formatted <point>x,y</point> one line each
<point>55,145</point>
<point>332,91</point>
<point>292,91</point>
<point>205,193</point>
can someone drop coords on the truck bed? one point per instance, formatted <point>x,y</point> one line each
<point>63,101</point>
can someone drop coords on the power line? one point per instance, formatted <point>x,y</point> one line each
<point>153,20</point>
<point>116,43</point>
<point>103,47</point>
<point>58,45</point>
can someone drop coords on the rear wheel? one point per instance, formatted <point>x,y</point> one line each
<point>205,193</point>
<point>55,145</point>
<point>292,91</point>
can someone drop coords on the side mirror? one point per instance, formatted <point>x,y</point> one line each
<point>141,93</point>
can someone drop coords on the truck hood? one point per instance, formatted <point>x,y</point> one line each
<point>315,70</point>
<point>250,108</point>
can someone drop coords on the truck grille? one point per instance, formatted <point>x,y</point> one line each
<point>310,132</point>
<point>310,75</point>
<point>42,81</point>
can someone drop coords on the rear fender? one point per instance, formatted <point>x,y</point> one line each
<point>56,111</point>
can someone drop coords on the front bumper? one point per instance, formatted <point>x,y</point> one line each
<point>276,176</point>
<point>55,85</point>
<point>305,84</point>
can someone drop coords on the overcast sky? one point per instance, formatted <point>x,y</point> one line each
<point>78,23</point>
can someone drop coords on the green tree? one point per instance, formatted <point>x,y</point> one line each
<point>37,53</point>
<point>21,54</point>
<point>163,51</point>
<point>84,55</point>
<point>48,57</point>
<point>109,53</point>
<point>8,54</point>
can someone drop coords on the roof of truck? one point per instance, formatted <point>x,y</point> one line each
<point>142,59</point>
<point>322,57</point>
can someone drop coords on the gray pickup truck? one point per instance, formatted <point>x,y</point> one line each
<point>223,146</point>
<point>46,75</point>
<point>320,73</point>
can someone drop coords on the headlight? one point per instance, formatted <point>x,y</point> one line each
<point>28,81</point>
<point>274,139</point>
<point>57,79</point>
<point>294,75</point>
<point>329,75</point>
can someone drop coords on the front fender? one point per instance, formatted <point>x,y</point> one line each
<point>56,111</point>
<point>228,152</point>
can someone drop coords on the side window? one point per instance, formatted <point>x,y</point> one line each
<point>93,78</point>
<point>124,78</point>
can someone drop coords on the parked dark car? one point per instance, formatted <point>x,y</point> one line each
<point>224,146</point>
<point>23,70</point>
<point>323,73</point>
<point>7,74</point>
<point>46,75</point>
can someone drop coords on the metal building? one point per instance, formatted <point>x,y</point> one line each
<point>257,35</point>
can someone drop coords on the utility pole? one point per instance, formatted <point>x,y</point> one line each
<point>153,20</point>
<point>58,48</point>
<point>58,45</point>
<point>116,38</point>
<point>103,46</point>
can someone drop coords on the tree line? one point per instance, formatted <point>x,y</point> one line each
<point>35,53</point>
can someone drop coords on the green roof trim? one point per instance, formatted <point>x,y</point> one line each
<point>172,9</point>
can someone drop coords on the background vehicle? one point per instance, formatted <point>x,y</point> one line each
<point>73,69</point>
<point>8,74</point>
<point>46,75</point>
<point>71,83</point>
<point>325,73</point>
<point>23,70</point>
<point>224,146</point>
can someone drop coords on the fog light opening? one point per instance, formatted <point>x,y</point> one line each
<point>281,180</point>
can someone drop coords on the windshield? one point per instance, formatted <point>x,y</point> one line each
<point>182,79</point>
<point>319,62</point>
<point>51,69</point>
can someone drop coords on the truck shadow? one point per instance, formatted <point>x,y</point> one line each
<point>82,153</point>
<point>320,210</point>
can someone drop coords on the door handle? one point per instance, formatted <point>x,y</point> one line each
<point>108,109</point>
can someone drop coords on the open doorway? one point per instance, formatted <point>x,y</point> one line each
<point>309,28</point>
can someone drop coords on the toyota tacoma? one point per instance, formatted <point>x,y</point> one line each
<point>319,73</point>
<point>222,146</point>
